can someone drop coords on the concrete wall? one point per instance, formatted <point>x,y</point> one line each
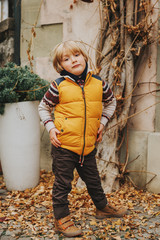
<point>153,162</point>
<point>143,163</point>
<point>56,24</point>
<point>81,21</point>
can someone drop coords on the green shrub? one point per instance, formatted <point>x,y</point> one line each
<point>18,84</point>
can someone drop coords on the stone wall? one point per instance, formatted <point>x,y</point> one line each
<point>6,41</point>
<point>6,44</point>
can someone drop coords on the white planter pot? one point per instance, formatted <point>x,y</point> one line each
<point>20,145</point>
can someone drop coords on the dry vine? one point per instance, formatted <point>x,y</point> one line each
<point>126,31</point>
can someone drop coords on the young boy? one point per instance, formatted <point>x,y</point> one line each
<point>78,123</point>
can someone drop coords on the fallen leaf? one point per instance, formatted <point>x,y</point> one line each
<point>93,222</point>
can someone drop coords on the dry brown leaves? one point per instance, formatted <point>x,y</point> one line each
<point>31,210</point>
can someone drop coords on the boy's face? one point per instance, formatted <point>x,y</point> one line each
<point>73,62</point>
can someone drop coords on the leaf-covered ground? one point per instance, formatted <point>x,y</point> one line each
<point>29,213</point>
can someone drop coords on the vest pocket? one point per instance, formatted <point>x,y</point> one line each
<point>59,123</point>
<point>70,131</point>
<point>91,134</point>
<point>93,126</point>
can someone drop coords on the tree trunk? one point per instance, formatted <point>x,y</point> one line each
<point>107,155</point>
<point>125,32</point>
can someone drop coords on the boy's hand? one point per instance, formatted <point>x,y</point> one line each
<point>53,137</point>
<point>99,133</point>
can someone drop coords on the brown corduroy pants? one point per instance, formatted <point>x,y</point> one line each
<point>64,163</point>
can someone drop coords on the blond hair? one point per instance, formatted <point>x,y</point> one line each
<point>71,46</point>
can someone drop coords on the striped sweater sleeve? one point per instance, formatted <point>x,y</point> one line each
<point>109,103</point>
<point>47,104</point>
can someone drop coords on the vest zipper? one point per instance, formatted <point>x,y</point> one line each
<point>82,157</point>
<point>83,93</point>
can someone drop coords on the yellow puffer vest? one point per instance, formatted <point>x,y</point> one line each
<point>78,114</point>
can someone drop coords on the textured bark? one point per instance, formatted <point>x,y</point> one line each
<point>107,155</point>
<point>125,32</point>
<point>129,67</point>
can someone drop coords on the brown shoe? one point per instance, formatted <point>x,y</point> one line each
<point>110,211</point>
<point>66,226</point>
